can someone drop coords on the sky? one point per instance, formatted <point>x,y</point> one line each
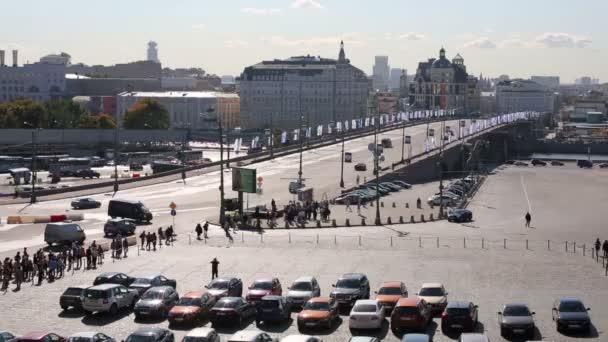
<point>519,38</point>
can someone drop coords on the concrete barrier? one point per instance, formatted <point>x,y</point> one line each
<point>412,219</point>
<point>333,223</point>
<point>43,218</point>
<point>389,221</point>
<point>422,218</point>
<point>401,219</point>
<point>431,217</point>
<point>363,221</point>
<point>394,205</point>
<point>347,223</point>
<point>407,205</point>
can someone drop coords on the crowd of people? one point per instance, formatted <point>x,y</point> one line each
<point>301,213</point>
<point>603,246</point>
<point>149,240</point>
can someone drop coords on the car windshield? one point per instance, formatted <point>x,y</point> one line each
<point>190,301</point>
<point>516,311</point>
<point>226,304</point>
<point>458,311</point>
<point>571,307</point>
<point>268,304</point>
<point>318,306</point>
<point>139,338</point>
<point>348,283</point>
<point>389,291</point>
<point>153,295</point>
<point>365,308</point>
<point>79,339</point>
<point>432,292</point>
<point>261,285</point>
<point>303,286</point>
<point>407,310</point>
<point>142,281</point>
<point>95,294</point>
<point>219,284</point>
<point>72,291</point>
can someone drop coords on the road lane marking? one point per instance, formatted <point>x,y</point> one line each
<point>523,186</point>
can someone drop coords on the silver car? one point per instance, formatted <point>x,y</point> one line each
<point>303,289</point>
<point>90,336</point>
<point>108,298</point>
<point>516,319</point>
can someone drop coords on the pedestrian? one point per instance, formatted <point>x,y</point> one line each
<point>161,236</point>
<point>125,246</point>
<point>70,262</point>
<point>18,275</point>
<point>118,248</point>
<point>41,267</point>
<point>528,218</point>
<point>227,231</point>
<point>100,253</point>
<point>418,203</point>
<point>89,257</point>
<point>93,248</point>
<point>214,268</point>
<point>605,248</point>
<point>198,230</point>
<point>273,205</point>
<point>60,267</point>
<point>52,268</point>
<point>148,240</point>
<point>169,235</point>
<point>142,237</point>
<point>358,179</point>
<point>206,229</point>
<point>81,255</point>
<point>348,206</point>
<point>6,273</point>
<point>598,244</point>
<point>154,240</point>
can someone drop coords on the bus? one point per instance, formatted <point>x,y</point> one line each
<point>131,158</point>
<point>67,167</point>
<point>190,157</point>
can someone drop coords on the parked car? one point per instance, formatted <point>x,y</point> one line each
<point>303,289</point>
<point>402,184</point>
<point>437,200</point>
<point>63,233</point>
<point>202,335</point>
<point>225,287</point>
<point>90,336</point>
<point>156,302</point>
<point>318,312</point>
<point>460,215</point>
<point>520,163</point>
<point>366,314</point>
<point>86,173</point>
<point>85,203</point>
<point>273,309</point>
<point>114,278</point>
<point>363,339</point>
<point>108,298</point>
<point>41,336</point>
<point>142,284</point>
<point>301,338</point>
<point>6,336</point>
<point>390,186</point>
<point>350,198</point>
<point>537,162</point>
<point>416,338</point>
<point>571,314</point>
<point>264,287</point>
<point>460,316</point>
<point>389,294</point>
<point>136,167</point>
<point>192,308</point>
<point>360,167</point>
<point>412,313</point>
<point>516,319</point>
<point>251,336</point>
<point>435,295</point>
<point>473,337</point>
<point>231,311</point>
<point>556,163</point>
<point>584,163</point>
<point>123,226</point>
<point>349,288</point>
<point>603,165</point>
<point>134,210</point>
<point>151,334</point>
<point>72,297</point>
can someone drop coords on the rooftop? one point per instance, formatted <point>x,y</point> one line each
<point>179,94</point>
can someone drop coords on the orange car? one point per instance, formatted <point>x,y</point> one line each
<point>389,294</point>
<point>192,308</point>
<point>411,313</point>
<point>318,312</point>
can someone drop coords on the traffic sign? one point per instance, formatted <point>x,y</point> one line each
<point>173,205</point>
<point>370,147</point>
<point>408,139</point>
<point>173,212</point>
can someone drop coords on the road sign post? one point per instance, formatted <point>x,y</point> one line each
<point>173,212</point>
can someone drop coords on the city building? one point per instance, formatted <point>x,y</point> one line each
<point>152,52</point>
<point>62,58</point>
<point>387,102</point>
<point>473,94</point>
<point>77,85</point>
<point>313,89</point>
<point>380,73</point>
<point>139,69</point>
<point>37,81</point>
<point>584,106</point>
<point>523,95</point>
<point>551,82</point>
<point>395,79</point>
<point>440,84</point>
<point>487,102</point>
<point>187,109</point>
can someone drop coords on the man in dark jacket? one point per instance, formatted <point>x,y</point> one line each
<point>214,268</point>
<point>528,218</point>
<point>198,230</point>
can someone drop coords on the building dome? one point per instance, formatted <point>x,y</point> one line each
<point>442,63</point>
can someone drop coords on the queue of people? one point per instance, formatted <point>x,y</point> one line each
<point>149,240</point>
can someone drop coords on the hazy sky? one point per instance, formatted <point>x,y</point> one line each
<point>568,38</point>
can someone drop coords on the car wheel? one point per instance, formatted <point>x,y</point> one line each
<point>503,332</point>
<point>64,307</point>
<point>257,322</point>
<point>113,310</point>
<point>88,313</point>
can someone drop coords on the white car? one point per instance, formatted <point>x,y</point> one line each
<point>366,314</point>
<point>202,335</point>
<point>251,336</point>
<point>436,200</point>
<point>301,338</point>
<point>303,289</point>
<point>90,336</point>
<point>435,295</point>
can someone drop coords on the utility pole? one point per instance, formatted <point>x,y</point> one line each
<point>116,159</point>
<point>222,209</point>
<point>34,173</point>
<point>403,142</point>
<point>377,170</point>
<point>300,140</point>
<point>271,133</point>
<point>441,170</point>
<point>183,156</point>
<point>342,162</point>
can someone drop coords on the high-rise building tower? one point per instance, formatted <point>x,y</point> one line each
<point>153,52</point>
<point>395,76</point>
<point>381,73</point>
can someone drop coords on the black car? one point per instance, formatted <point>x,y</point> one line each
<point>86,173</point>
<point>571,314</point>
<point>85,203</point>
<point>459,316</point>
<point>557,163</point>
<point>273,309</point>
<point>114,278</point>
<point>360,167</point>
<point>142,284</point>
<point>584,163</point>
<point>516,319</point>
<point>603,165</point>
<point>460,215</point>
<point>156,302</point>
<point>151,334</point>
<point>123,226</point>
<point>350,288</point>
<point>225,287</point>
<point>537,162</point>
<point>72,297</point>
<point>231,311</point>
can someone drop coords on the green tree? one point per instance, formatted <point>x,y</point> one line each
<point>7,117</point>
<point>106,121</point>
<point>103,121</point>
<point>28,113</point>
<point>147,114</point>
<point>64,113</point>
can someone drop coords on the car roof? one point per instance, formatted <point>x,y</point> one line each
<point>320,300</point>
<point>361,339</point>
<point>296,338</point>
<point>103,287</point>
<point>149,276</point>
<point>107,274</point>
<point>200,332</point>
<point>35,335</point>
<point>408,301</point>
<point>516,304</point>
<point>416,338</point>
<point>352,276</point>
<point>245,335</point>
<point>193,294</point>
<point>431,285</point>
<point>85,334</point>
<point>148,331</point>
<point>458,305</point>
<point>301,280</point>
<point>366,302</point>
<point>391,284</point>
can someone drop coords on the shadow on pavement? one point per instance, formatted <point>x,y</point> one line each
<point>101,319</point>
<point>272,327</point>
<point>592,333</point>
<point>70,313</point>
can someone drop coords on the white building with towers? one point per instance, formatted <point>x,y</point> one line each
<point>153,52</point>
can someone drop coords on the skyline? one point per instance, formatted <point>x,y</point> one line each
<point>520,39</point>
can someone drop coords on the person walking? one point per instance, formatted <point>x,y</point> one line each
<point>605,248</point>
<point>125,247</point>
<point>528,218</point>
<point>60,266</point>
<point>94,251</point>
<point>148,240</point>
<point>89,258</point>
<point>206,229</point>
<point>154,240</point>
<point>18,276</point>
<point>214,268</point>
<point>100,254</point>
<point>161,235</point>
<point>142,237</point>
<point>118,248</point>
<point>598,245</point>
<point>169,235</point>
<point>198,230</point>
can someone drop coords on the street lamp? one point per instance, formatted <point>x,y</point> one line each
<point>34,157</point>
<point>377,171</point>
<point>300,140</point>
<point>342,163</point>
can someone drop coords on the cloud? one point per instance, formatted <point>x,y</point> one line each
<point>199,27</point>
<point>562,40</point>
<point>314,4</point>
<point>514,43</point>
<point>260,11</point>
<point>411,36</point>
<point>235,43</point>
<point>481,43</point>
<point>350,39</point>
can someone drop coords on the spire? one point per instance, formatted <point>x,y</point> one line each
<point>342,55</point>
<point>442,53</point>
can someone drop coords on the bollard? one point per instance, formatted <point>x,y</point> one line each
<point>574,247</point>
<point>137,255</point>
<point>189,239</point>
<point>421,217</point>
<point>482,243</point>
<point>394,205</point>
<point>584,249</point>
<point>359,240</point>
<point>407,205</point>
<point>242,237</point>
<point>401,219</point>
<point>363,221</point>
<point>371,204</point>
<point>335,240</point>
<point>420,241</point>
<point>412,220</point>
<point>431,217</point>
<point>527,244</point>
<point>389,221</point>
<point>286,225</point>
<point>317,239</point>
<point>464,242</point>
<point>504,243</point>
<point>566,246</point>
<point>347,223</point>
<point>318,223</point>
<point>391,241</point>
<point>333,223</point>
<point>438,242</point>
<point>289,234</point>
<point>548,245</point>
<point>382,204</point>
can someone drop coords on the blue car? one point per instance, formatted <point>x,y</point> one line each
<point>571,314</point>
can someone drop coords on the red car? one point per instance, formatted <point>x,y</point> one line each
<point>411,313</point>
<point>39,336</point>
<point>264,287</point>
